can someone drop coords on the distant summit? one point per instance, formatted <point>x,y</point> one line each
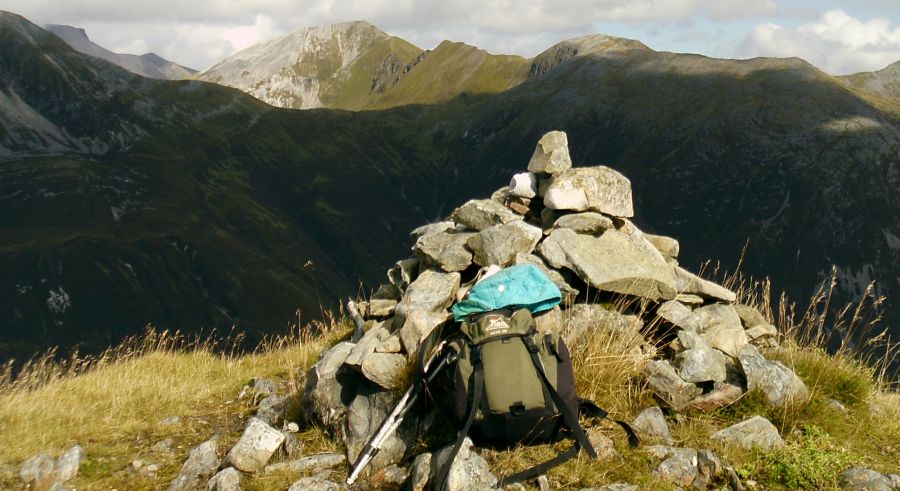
<point>885,82</point>
<point>148,65</point>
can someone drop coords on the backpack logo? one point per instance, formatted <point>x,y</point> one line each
<point>496,325</point>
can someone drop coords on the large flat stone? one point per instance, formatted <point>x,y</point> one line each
<point>611,262</point>
<point>689,283</point>
<point>501,243</point>
<point>446,250</point>
<point>588,222</point>
<point>780,385</point>
<point>590,188</point>
<point>483,213</point>
<point>668,386</point>
<point>432,291</point>
<point>755,432</point>
<point>256,446</point>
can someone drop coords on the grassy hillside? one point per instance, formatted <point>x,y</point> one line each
<point>112,405</point>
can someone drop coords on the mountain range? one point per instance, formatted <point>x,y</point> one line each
<point>126,201</point>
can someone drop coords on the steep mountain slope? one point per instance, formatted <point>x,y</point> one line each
<point>220,210</point>
<point>885,82</point>
<point>148,65</point>
<point>326,66</point>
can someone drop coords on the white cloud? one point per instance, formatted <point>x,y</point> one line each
<point>835,42</point>
<point>198,34</point>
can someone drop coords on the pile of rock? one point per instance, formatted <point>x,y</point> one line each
<point>45,472</point>
<point>574,224</point>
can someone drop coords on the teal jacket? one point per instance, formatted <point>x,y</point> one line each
<point>523,285</point>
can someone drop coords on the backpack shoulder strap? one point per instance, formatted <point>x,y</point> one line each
<point>477,387</point>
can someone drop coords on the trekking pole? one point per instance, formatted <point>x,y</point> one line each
<point>392,422</point>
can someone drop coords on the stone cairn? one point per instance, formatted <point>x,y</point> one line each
<point>574,224</point>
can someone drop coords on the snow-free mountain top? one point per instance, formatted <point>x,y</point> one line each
<point>305,68</point>
<point>885,82</point>
<point>148,65</point>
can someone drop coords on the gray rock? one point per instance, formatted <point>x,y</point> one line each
<point>385,369</point>
<point>754,432</point>
<point>366,346</point>
<point>481,214</point>
<point>322,391</point>
<point>723,394</point>
<point>590,188</point>
<point>469,470</point>
<point>761,331</point>
<point>308,464</point>
<point>68,463</point>
<point>603,445</point>
<point>721,328</point>
<point>314,484</point>
<point>419,472</point>
<point>391,477</point>
<point>446,250</point>
<point>200,465</point>
<point>256,446</point>
<point>501,243</point>
<point>679,315</point>
<point>862,479</point>
<point>432,291</point>
<point>619,486</point>
<point>668,386</point>
<point>38,471</point>
<point>666,451</point>
<point>403,273</point>
<point>543,483</point>
<point>522,206</point>
<point>588,222</point>
<point>387,291</point>
<point>895,481</point>
<point>271,409</point>
<point>780,385</point>
<point>749,316</point>
<point>417,325</point>
<point>689,299</point>
<point>432,228</point>
<point>680,468</point>
<point>381,308</point>
<point>651,422</point>
<point>60,487</point>
<point>364,416</point>
<point>686,282</point>
<point>690,340</point>
<point>549,321</point>
<point>836,406</point>
<point>581,320</point>
<point>667,246</point>
<point>612,262</point>
<point>228,479</point>
<point>708,465</point>
<point>701,364</point>
<point>292,447</point>
<point>551,155</point>
<point>523,185</point>
<point>163,446</point>
<point>390,345</point>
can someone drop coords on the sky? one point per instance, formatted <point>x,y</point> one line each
<point>837,36</point>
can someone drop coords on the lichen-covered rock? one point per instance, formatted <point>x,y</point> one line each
<point>551,155</point>
<point>667,246</point>
<point>256,446</point>
<point>780,385</point>
<point>322,391</point>
<point>668,386</point>
<point>432,291</point>
<point>200,465</point>
<point>228,479</point>
<point>651,422</point>
<point>679,466</point>
<point>611,262</point>
<point>38,471</point>
<point>446,250</point>
<point>590,188</point>
<point>754,432</point>
<point>431,228</point>
<point>365,414</point>
<point>417,325</point>
<point>501,243</point>
<point>469,470</point>
<point>862,479</point>
<point>582,319</point>
<point>721,328</point>
<point>686,282</point>
<point>588,222</point>
<point>701,364</point>
<point>385,369</point>
<point>308,464</point>
<point>483,213</point>
<point>314,484</point>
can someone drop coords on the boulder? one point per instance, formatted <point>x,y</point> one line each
<point>228,479</point>
<point>754,432</point>
<point>163,446</point>
<point>68,463</point>
<point>390,345</point>
<point>723,394</point>
<point>446,250</point>
<point>523,185</point>
<point>602,445</point>
<point>701,364</point>
<point>419,472</point>
<point>678,470</point>
<point>667,246</point>
<point>749,316</point>
<point>590,188</point>
<point>292,447</point>
<point>760,332</point>
<point>780,385</point>
<point>308,464</point>
<point>432,291</point>
<point>403,273</point>
<point>721,328</point>
<point>862,479</point>
<point>271,409</point>
<point>364,415</point>
<point>668,386</point>
<point>324,387</point>
<point>651,422</point>
<point>38,471</point>
<point>589,222</point>
<point>385,369</point>
<point>381,308</point>
<point>686,282</point>
<point>568,291</point>
<point>418,325</point>
<point>314,484</point>
<point>551,155</point>
<point>365,346</point>
<point>500,244</point>
<point>483,213</point>
<point>432,228</point>
<point>611,262</point>
<point>679,315</point>
<point>708,466</point>
<point>200,465</point>
<point>469,470</point>
<point>256,446</point>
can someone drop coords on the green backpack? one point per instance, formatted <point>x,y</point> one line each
<point>514,385</point>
